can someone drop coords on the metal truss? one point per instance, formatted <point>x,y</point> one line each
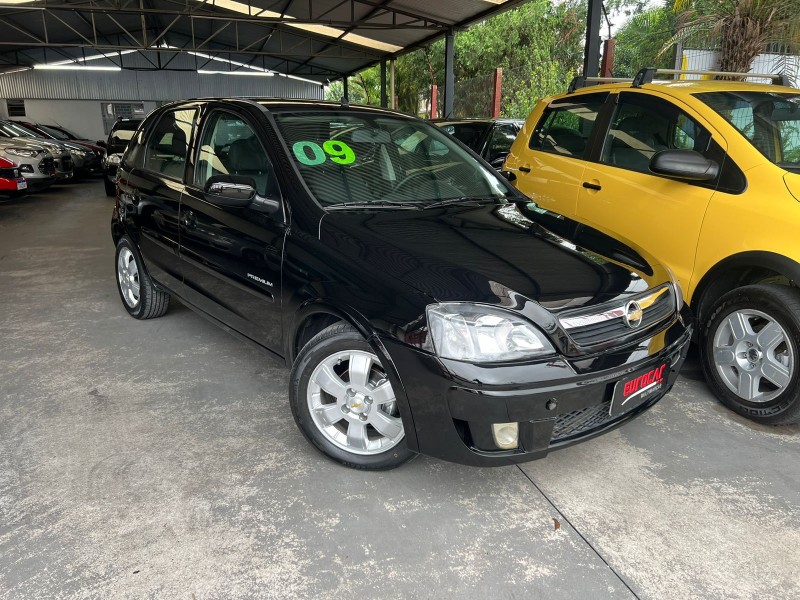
<point>98,25</point>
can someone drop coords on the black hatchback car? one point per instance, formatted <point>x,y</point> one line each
<point>490,138</point>
<point>423,304</point>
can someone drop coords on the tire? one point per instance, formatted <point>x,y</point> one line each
<point>111,189</point>
<point>750,352</point>
<point>340,417</point>
<point>139,296</point>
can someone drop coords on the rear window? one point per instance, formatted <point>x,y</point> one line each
<point>370,158</point>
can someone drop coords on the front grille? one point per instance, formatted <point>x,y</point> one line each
<point>46,165</point>
<point>607,322</point>
<point>580,421</point>
<point>66,164</point>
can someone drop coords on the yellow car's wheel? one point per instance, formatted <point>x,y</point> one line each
<point>749,352</point>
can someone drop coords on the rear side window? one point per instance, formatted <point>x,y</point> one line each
<point>168,144</point>
<point>566,125</point>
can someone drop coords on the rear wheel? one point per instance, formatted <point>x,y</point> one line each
<point>344,404</point>
<point>749,352</point>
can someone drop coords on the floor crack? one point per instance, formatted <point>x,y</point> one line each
<point>565,519</point>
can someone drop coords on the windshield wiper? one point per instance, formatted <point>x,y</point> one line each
<point>374,203</point>
<point>463,201</point>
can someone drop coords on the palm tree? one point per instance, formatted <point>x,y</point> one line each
<point>744,28</point>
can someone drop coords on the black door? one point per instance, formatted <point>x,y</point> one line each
<point>231,255</point>
<point>154,186</point>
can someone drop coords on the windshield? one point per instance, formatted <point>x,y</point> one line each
<point>770,121</point>
<point>348,157</point>
<point>9,129</point>
<point>57,133</point>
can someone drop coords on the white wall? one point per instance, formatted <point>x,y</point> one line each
<point>708,60</point>
<point>83,117</point>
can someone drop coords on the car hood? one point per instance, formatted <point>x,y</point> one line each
<point>55,148</point>
<point>490,254</point>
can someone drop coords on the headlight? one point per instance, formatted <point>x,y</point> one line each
<point>78,153</point>
<point>22,152</point>
<point>478,333</point>
<point>114,159</point>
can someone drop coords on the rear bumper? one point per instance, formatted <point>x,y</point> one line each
<point>556,402</point>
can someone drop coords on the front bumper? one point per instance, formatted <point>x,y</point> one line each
<point>556,401</point>
<point>64,167</point>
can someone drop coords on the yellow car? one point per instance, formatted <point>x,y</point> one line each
<point>705,176</point>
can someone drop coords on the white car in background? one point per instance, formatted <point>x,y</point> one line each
<point>61,157</point>
<point>34,161</point>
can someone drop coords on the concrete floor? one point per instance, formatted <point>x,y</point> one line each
<point>159,459</point>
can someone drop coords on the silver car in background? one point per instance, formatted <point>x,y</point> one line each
<point>61,156</point>
<point>36,164</point>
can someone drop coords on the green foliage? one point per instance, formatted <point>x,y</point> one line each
<point>539,45</point>
<point>643,42</point>
<point>741,29</point>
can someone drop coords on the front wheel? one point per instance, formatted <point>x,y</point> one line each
<point>344,404</point>
<point>749,352</point>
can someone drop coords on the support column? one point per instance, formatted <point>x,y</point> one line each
<point>384,97</point>
<point>591,53</point>
<point>392,97</point>
<point>345,91</point>
<point>449,74</point>
<point>497,92</point>
<point>607,64</point>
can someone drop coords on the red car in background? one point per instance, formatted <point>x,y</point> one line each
<point>10,179</point>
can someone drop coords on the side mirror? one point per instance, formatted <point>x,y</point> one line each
<point>239,191</point>
<point>686,165</point>
<point>230,190</point>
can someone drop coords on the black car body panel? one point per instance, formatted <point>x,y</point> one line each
<point>267,275</point>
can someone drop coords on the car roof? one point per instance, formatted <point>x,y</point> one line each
<point>687,87</point>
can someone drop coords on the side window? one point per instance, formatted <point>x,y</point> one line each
<point>502,138</point>
<point>229,146</point>
<point>169,143</point>
<point>566,125</point>
<point>643,126</point>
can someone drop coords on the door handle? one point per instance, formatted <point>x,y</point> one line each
<point>525,169</point>
<point>592,186</point>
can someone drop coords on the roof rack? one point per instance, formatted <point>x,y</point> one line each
<point>580,81</point>
<point>647,75</point>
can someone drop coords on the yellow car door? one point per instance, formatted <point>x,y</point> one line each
<point>550,153</point>
<point>620,195</point>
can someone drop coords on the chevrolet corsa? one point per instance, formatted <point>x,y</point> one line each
<point>423,304</point>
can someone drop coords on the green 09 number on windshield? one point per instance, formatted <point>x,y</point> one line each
<point>311,154</point>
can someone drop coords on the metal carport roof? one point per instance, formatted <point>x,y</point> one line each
<point>319,40</point>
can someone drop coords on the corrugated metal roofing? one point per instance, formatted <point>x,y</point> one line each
<point>319,39</point>
<point>148,85</point>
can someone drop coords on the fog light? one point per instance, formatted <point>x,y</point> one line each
<point>506,435</point>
